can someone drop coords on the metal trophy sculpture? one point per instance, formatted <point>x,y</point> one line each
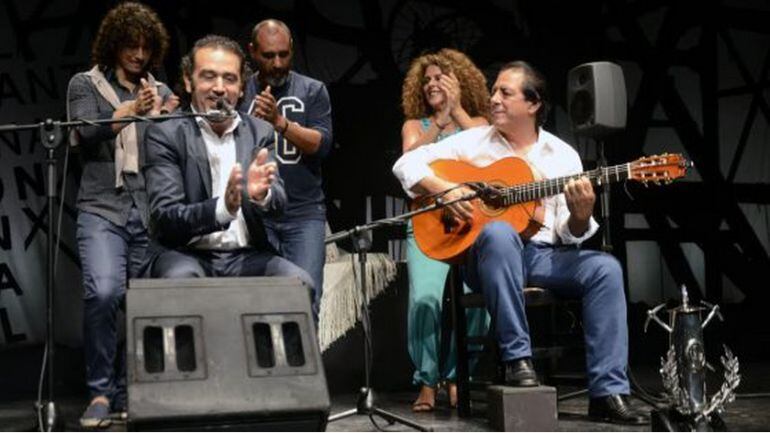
<point>684,371</point>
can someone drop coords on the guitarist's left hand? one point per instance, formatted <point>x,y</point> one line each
<point>580,202</point>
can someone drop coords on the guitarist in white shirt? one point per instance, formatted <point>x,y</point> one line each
<point>500,263</point>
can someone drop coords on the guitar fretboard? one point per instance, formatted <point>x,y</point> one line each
<point>548,187</point>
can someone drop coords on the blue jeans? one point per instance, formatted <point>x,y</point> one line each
<point>500,265</point>
<point>109,255</point>
<point>237,263</point>
<point>301,241</point>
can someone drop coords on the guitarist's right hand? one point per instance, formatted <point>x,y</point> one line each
<point>462,211</point>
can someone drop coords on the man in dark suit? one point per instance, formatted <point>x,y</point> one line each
<point>205,209</point>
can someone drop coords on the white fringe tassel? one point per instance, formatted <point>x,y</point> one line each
<point>341,300</point>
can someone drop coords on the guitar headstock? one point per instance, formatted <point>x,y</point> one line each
<point>659,168</point>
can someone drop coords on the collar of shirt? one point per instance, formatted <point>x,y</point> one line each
<point>541,146</point>
<point>540,150</point>
<point>110,75</point>
<point>112,78</point>
<point>123,91</point>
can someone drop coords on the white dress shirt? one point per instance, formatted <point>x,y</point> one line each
<point>484,145</point>
<point>222,158</point>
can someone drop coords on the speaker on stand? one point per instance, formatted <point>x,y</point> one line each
<point>597,105</point>
<point>596,99</point>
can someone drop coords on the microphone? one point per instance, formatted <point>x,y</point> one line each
<point>225,108</point>
<point>489,194</point>
<point>221,113</point>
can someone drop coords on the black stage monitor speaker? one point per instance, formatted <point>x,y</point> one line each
<point>223,354</point>
<point>596,97</point>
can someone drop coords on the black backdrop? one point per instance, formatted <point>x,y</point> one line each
<point>697,77</point>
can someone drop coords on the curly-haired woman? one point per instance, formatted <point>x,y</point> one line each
<point>443,93</point>
<point>112,201</point>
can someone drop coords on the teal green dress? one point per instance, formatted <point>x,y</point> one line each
<point>426,289</point>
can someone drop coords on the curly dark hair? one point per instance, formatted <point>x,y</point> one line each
<point>124,26</point>
<point>475,96</point>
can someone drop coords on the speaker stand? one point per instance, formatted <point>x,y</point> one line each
<point>366,404</point>
<point>604,199</point>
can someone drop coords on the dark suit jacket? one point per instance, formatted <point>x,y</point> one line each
<point>179,181</point>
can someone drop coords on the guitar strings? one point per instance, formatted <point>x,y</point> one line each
<point>534,190</point>
<point>554,183</point>
<point>546,187</point>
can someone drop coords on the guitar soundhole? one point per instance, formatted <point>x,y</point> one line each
<point>491,209</point>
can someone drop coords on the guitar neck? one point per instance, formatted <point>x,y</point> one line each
<point>548,187</point>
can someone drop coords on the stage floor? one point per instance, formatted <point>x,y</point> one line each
<point>750,412</point>
<point>745,414</point>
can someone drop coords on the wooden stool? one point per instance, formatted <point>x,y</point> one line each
<point>460,302</point>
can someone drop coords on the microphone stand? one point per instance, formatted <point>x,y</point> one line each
<point>361,239</point>
<point>606,246</point>
<point>604,198</point>
<point>636,389</point>
<point>50,136</point>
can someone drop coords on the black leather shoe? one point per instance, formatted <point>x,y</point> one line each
<point>615,409</point>
<point>520,372</point>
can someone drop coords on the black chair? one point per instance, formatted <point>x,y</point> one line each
<point>547,350</point>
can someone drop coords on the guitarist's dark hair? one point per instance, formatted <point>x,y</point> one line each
<point>534,88</point>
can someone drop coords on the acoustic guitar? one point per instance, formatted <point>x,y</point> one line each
<point>508,191</point>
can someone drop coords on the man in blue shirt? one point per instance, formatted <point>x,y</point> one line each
<point>298,108</point>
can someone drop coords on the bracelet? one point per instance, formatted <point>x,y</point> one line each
<point>285,128</point>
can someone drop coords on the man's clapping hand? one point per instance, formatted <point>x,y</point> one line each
<point>234,189</point>
<point>261,175</point>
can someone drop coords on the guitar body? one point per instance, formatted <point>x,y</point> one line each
<point>442,241</point>
<point>517,195</point>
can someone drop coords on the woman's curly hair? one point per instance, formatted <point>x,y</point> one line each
<point>124,26</point>
<point>473,85</point>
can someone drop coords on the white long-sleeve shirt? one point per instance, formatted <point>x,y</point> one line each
<point>484,145</point>
<point>222,158</point>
